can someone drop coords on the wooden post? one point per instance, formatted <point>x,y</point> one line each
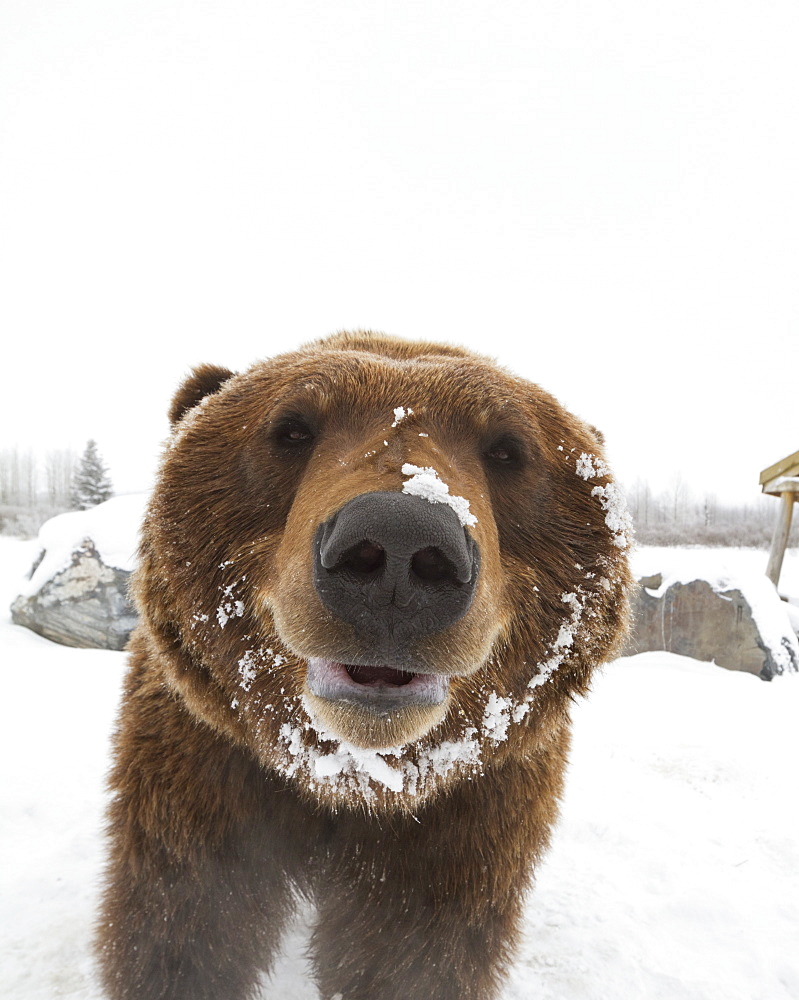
<point>781,480</point>
<point>780,539</point>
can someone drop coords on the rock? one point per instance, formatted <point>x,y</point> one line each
<point>85,604</point>
<point>740,628</point>
<point>77,590</point>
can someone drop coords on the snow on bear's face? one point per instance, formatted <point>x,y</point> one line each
<point>386,561</point>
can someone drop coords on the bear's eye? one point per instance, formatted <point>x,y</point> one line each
<point>293,432</point>
<point>506,451</point>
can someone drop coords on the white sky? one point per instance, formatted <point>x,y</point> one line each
<point>602,194</point>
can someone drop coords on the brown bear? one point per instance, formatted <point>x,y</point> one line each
<point>374,574</point>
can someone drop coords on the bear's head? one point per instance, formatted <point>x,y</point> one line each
<point>380,565</point>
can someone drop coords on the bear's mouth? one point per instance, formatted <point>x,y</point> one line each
<point>379,688</point>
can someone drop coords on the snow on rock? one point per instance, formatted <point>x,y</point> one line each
<point>424,482</point>
<point>112,526</point>
<point>85,604</point>
<point>702,604</point>
<point>77,591</point>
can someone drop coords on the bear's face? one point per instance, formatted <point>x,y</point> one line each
<point>372,552</point>
<point>388,578</point>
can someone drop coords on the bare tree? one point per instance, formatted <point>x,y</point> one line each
<point>709,510</point>
<point>17,477</point>
<point>679,497</point>
<point>672,517</point>
<point>59,471</point>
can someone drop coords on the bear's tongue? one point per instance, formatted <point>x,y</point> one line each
<point>374,675</point>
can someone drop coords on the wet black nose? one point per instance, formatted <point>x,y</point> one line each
<point>395,567</point>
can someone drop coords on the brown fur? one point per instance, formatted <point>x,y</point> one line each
<point>229,797</point>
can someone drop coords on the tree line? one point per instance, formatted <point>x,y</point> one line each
<point>33,490</point>
<point>678,516</point>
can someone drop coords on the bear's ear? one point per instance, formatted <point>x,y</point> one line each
<point>203,381</point>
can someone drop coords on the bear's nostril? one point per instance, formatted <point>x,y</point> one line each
<point>431,565</point>
<point>366,558</point>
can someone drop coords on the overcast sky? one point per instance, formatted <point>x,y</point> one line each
<point>601,194</point>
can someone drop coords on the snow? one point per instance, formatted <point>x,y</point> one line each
<point>354,770</point>
<point>732,569</point>
<point>113,526</point>
<point>247,669</point>
<point>673,873</point>
<point>230,606</point>
<point>612,499</point>
<point>589,466</point>
<point>497,716</point>
<point>716,565</point>
<point>400,413</point>
<point>425,482</point>
<point>359,761</point>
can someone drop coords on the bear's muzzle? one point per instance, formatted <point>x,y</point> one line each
<point>397,569</point>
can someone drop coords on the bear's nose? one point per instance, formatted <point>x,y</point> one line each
<point>395,567</point>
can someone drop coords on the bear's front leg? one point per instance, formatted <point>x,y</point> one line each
<point>428,908</point>
<point>201,845</point>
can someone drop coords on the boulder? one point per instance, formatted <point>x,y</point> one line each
<point>77,590</point>
<point>85,604</point>
<point>741,626</point>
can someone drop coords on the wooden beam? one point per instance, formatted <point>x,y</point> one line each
<point>782,484</point>
<point>787,467</point>
<point>780,539</point>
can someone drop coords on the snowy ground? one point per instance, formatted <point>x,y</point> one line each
<point>674,873</point>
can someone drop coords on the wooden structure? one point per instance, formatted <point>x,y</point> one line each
<point>781,480</point>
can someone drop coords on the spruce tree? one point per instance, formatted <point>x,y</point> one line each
<point>91,484</point>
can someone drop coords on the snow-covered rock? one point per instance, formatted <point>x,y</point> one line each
<point>710,613</point>
<point>77,591</point>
